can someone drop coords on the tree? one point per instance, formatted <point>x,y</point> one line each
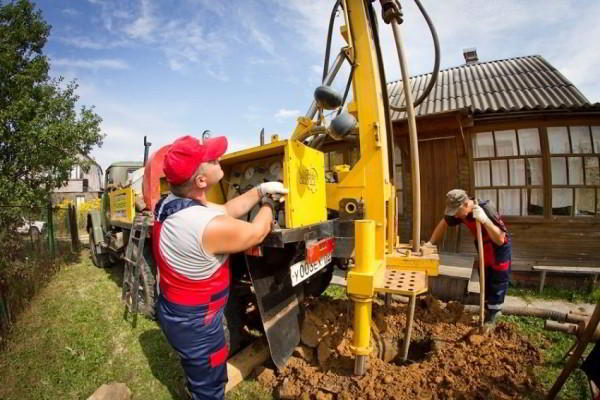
<point>41,132</point>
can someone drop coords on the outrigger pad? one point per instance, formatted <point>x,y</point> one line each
<point>278,303</point>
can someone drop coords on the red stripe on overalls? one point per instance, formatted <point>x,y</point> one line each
<point>179,289</point>
<point>489,248</point>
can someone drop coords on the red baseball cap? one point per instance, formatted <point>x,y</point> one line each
<point>187,153</point>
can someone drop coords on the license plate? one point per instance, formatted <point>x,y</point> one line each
<point>318,256</point>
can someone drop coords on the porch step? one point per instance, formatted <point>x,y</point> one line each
<point>473,288</point>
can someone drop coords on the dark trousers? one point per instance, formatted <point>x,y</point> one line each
<point>200,342</point>
<point>496,286</point>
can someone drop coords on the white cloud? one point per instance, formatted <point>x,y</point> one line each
<point>90,64</point>
<point>285,113</point>
<point>88,43</point>
<point>70,12</point>
<point>247,17</point>
<point>121,14</point>
<point>263,40</point>
<point>144,26</point>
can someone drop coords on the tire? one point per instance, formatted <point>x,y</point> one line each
<point>232,324</point>
<point>147,288</point>
<point>99,260</point>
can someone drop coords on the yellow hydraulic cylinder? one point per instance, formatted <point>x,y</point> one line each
<point>365,265</point>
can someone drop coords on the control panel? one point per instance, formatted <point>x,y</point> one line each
<point>245,176</point>
<point>300,168</point>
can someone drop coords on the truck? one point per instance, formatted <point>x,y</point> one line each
<point>340,211</point>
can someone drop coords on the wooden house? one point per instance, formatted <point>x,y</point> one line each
<point>515,132</point>
<point>83,184</point>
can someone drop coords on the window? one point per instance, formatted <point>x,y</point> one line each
<point>575,170</point>
<point>509,170</point>
<point>76,172</point>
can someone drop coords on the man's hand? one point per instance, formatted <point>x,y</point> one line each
<point>480,215</point>
<point>274,189</point>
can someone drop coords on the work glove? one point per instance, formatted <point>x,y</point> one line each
<point>480,215</point>
<point>273,189</point>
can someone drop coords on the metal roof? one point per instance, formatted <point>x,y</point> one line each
<point>515,84</point>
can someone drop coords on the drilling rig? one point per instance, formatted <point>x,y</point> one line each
<point>338,213</point>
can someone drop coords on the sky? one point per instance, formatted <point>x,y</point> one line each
<point>164,69</point>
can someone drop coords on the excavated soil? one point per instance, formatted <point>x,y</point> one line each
<point>446,360</point>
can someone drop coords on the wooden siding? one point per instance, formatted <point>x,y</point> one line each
<point>548,243</point>
<point>536,240</point>
<point>439,174</point>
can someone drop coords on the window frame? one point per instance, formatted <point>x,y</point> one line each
<point>506,159</point>
<point>541,125</point>
<point>566,156</point>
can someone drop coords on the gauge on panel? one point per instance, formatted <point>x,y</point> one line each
<point>275,169</point>
<point>249,173</point>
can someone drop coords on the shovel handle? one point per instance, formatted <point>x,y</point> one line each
<point>481,274</point>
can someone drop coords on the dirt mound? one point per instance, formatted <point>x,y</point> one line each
<point>445,362</point>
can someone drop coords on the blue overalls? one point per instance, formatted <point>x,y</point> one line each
<point>190,313</point>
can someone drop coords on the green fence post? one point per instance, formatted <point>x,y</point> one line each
<point>51,245</point>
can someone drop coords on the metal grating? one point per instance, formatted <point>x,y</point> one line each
<point>403,282</point>
<point>515,84</point>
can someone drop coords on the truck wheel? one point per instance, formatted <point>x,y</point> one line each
<point>146,295</point>
<point>232,324</point>
<point>99,260</point>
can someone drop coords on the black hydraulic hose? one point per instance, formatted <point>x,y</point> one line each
<point>436,65</point>
<point>384,93</point>
<point>350,76</point>
<point>329,34</point>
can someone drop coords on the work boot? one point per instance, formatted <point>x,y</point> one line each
<point>490,316</point>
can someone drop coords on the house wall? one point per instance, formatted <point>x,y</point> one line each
<point>75,184</point>
<point>537,239</point>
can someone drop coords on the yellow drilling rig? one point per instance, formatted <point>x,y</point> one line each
<point>348,217</point>
<point>340,212</point>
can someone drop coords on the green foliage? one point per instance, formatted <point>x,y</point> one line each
<point>335,292</point>
<point>41,132</point>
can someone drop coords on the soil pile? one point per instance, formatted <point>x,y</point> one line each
<point>444,360</point>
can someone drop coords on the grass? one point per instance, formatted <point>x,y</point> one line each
<point>553,346</point>
<point>552,293</point>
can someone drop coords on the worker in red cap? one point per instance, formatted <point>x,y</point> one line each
<point>191,241</point>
